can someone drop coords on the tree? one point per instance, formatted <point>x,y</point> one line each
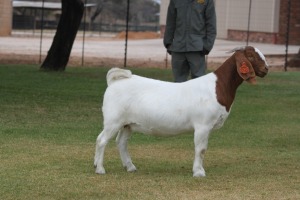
<point>69,22</point>
<point>141,11</point>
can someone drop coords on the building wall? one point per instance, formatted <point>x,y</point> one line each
<point>264,15</point>
<point>294,35</point>
<point>222,8</point>
<point>163,16</point>
<point>5,17</point>
<point>163,11</point>
<point>263,22</point>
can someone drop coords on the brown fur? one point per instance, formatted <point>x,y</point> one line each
<point>230,76</point>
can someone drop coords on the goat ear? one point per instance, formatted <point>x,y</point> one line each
<point>244,68</point>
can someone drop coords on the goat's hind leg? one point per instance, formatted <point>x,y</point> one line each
<point>122,141</point>
<point>102,140</point>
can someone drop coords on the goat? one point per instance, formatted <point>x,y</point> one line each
<point>154,107</point>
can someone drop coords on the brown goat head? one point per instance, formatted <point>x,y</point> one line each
<point>250,62</point>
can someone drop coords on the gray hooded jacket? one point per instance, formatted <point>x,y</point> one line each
<point>191,26</point>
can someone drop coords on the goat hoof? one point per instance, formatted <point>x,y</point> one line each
<point>131,168</point>
<point>100,171</point>
<point>199,174</point>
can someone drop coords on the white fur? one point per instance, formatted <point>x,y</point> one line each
<point>134,103</point>
<point>261,56</point>
<point>115,74</point>
<point>256,50</point>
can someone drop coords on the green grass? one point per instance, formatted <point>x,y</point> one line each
<point>49,123</point>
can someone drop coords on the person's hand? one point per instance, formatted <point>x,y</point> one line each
<point>204,52</point>
<point>168,49</point>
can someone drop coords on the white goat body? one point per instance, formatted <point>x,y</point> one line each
<point>162,108</point>
<point>135,103</point>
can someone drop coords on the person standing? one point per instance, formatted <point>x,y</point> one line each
<point>189,36</point>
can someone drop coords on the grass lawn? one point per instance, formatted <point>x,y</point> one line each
<point>49,123</point>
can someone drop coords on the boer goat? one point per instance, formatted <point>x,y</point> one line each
<point>134,103</point>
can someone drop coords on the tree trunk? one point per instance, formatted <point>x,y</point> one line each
<point>60,50</point>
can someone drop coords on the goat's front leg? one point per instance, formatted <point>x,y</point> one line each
<point>122,141</point>
<point>200,139</point>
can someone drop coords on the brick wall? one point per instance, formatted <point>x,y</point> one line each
<point>294,36</point>
<point>260,37</point>
<point>5,17</point>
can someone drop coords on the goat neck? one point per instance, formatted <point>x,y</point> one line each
<point>228,80</point>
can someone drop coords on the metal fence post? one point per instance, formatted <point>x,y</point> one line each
<point>287,35</point>
<point>42,29</point>
<point>249,19</point>
<point>126,35</point>
<point>84,28</point>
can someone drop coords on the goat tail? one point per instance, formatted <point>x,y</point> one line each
<point>115,74</point>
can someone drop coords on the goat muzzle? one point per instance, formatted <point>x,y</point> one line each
<point>263,72</point>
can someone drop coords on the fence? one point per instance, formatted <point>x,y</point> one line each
<point>25,23</point>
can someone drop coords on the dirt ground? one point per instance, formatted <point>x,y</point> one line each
<point>145,50</point>
<point>212,64</point>
<point>138,35</point>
